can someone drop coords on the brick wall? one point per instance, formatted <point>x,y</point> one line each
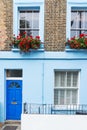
<point>5,23</point>
<point>55,24</point>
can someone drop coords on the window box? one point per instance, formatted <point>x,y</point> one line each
<point>41,49</point>
<point>77,42</point>
<point>25,43</point>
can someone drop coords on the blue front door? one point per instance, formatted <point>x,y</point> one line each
<point>14,99</point>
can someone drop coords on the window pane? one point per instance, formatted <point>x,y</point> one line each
<point>62,97</point>
<point>76,32</point>
<point>14,73</point>
<point>83,20</point>
<point>57,84</point>
<point>35,19</point>
<point>55,96</point>
<point>35,33</point>
<point>73,33</point>
<point>29,19</point>
<point>75,79</point>
<point>68,79</point>
<point>28,32</point>
<point>74,96</point>
<point>86,20</point>
<point>73,19</point>
<point>62,79</point>
<point>68,93</point>
<point>22,19</point>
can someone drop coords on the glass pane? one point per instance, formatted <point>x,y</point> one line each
<point>86,20</point>
<point>35,33</point>
<point>78,20</point>
<point>35,19</point>
<point>73,33</point>
<point>14,73</point>
<point>62,79</point>
<point>83,20</point>
<point>62,97</point>
<point>29,19</point>
<point>75,79</point>
<point>55,96</point>
<point>57,79</point>
<point>68,93</point>
<point>29,32</point>
<point>22,19</point>
<point>73,19</point>
<point>74,96</point>
<point>68,79</point>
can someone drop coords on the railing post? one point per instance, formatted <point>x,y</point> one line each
<point>25,108</point>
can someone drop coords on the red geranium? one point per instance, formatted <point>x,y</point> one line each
<point>25,43</point>
<point>79,42</point>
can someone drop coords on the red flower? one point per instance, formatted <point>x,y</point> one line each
<point>79,42</point>
<point>81,35</point>
<point>24,42</point>
<point>37,37</point>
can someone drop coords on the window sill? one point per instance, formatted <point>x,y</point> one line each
<point>75,50</point>
<point>31,50</point>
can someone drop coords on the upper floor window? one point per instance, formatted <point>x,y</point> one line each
<point>78,21</point>
<point>28,16</point>
<point>76,18</point>
<point>29,21</point>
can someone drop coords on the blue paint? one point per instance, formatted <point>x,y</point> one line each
<point>38,75</point>
<point>14,99</point>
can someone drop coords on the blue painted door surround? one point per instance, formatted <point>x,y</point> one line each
<point>13,99</point>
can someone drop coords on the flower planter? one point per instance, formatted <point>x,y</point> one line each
<point>77,42</point>
<point>24,43</point>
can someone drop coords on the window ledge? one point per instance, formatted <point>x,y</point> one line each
<point>75,50</point>
<point>33,50</point>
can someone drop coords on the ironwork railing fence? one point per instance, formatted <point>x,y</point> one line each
<point>54,109</point>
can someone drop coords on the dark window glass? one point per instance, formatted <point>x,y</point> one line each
<point>14,73</point>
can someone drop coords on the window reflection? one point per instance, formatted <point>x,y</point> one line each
<point>29,22</point>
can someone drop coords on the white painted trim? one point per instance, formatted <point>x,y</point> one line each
<point>14,78</point>
<point>28,3</point>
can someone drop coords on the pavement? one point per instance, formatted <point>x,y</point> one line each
<point>11,126</point>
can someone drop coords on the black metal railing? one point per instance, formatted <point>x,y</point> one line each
<point>54,109</point>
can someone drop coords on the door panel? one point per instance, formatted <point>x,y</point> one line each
<point>14,99</point>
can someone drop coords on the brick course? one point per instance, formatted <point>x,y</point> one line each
<point>5,23</point>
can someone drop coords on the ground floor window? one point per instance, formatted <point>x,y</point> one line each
<point>66,87</point>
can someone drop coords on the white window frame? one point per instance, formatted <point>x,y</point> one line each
<point>28,3</point>
<point>78,88</point>
<point>70,4</point>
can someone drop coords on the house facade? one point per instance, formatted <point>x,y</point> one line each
<point>49,75</point>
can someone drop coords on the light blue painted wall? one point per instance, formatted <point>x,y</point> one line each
<point>38,74</point>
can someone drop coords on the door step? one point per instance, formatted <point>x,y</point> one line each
<point>13,122</point>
